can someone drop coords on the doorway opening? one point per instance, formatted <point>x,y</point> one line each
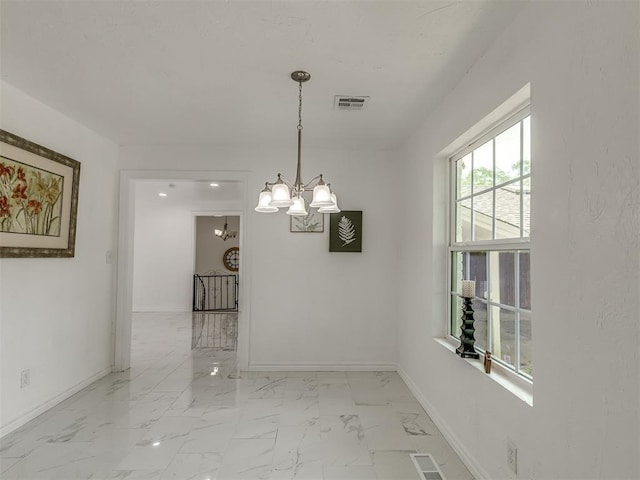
<point>157,253</point>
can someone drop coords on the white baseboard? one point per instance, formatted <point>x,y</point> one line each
<point>161,310</point>
<point>471,463</point>
<point>321,367</point>
<point>43,407</point>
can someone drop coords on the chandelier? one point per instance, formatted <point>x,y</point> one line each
<point>224,234</point>
<point>283,193</point>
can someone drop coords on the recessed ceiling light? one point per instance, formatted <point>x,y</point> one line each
<point>156,444</point>
<point>162,194</point>
<point>214,184</point>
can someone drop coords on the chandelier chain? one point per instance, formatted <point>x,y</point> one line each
<point>300,106</point>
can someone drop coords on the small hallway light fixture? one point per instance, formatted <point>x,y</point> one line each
<point>283,193</point>
<point>225,234</point>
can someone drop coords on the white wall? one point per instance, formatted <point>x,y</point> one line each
<point>209,248</point>
<point>163,253</point>
<point>56,314</point>
<point>308,307</point>
<point>582,62</point>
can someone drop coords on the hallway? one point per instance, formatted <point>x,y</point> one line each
<point>190,414</point>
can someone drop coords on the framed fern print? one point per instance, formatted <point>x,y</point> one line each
<point>345,231</point>
<point>38,200</point>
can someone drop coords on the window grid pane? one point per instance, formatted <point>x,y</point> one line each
<point>503,335</point>
<point>482,211</point>
<point>524,275</point>
<point>526,207</point>
<point>516,284</point>
<point>483,167</point>
<point>463,220</point>
<point>525,342</point>
<point>456,310</point>
<point>508,155</point>
<point>508,211</point>
<point>463,176</point>
<point>480,324</point>
<point>489,318</point>
<point>526,145</point>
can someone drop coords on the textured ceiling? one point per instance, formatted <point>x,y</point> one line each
<point>217,73</point>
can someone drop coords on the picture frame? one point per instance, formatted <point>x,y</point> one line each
<point>345,231</point>
<point>313,222</point>
<point>38,200</point>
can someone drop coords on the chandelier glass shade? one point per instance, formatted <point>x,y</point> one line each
<point>298,208</point>
<point>333,208</point>
<point>264,202</point>
<point>282,193</point>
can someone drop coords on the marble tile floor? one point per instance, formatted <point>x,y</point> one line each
<point>185,414</point>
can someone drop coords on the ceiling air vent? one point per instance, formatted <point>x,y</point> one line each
<point>350,104</point>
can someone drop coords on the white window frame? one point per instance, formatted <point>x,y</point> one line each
<point>514,245</point>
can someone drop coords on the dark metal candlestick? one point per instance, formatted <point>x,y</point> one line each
<point>467,332</point>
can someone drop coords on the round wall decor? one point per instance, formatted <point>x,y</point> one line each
<point>231,259</point>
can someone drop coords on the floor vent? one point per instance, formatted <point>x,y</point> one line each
<point>350,104</point>
<point>427,466</point>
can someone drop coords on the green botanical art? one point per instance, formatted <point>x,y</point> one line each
<point>313,222</point>
<point>346,231</point>
<point>30,199</point>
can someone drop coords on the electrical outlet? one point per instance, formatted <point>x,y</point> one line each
<point>512,456</point>
<point>25,378</point>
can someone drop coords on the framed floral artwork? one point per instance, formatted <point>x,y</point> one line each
<point>313,222</point>
<point>38,200</point>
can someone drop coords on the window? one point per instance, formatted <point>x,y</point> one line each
<point>489,241</point>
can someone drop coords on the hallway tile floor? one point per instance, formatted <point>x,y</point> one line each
<point>185,414</point>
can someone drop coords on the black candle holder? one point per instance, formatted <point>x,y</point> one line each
<point>467,332</point>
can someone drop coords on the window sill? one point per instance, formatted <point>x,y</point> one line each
<point>518,386</point>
